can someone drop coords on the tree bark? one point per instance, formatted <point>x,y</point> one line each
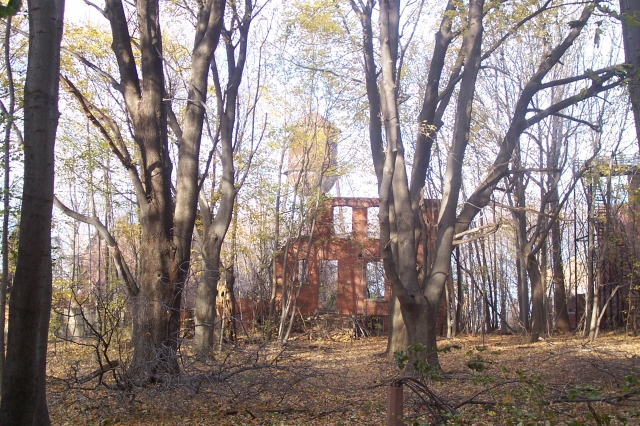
<point>167,223</point>
<point>397,338</point>
<point>537,298</point>
<point>6,192</point>
<point>218,225</point>
<point>630,15</point>
<point>559,292</point>
<point>24,375</point>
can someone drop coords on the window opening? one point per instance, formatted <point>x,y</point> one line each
<point>328,284</point>
<point>375,280</point>
<point>373,222</point>
<point>342,221</point>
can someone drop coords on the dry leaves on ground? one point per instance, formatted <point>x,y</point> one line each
<point>557,381</point>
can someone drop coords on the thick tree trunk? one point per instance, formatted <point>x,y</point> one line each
<point>167,223</point>
<point>537,298</point>
<point>420,323</point>
<point>205,312</point>
<point>397,339</point>
<point>155,330</point>
<point>23,387</point>
<point>630,14</point>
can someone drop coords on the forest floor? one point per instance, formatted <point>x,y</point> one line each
<point>561,380</point>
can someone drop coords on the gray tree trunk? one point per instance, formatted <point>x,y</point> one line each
<point>559,292</point>
<point>23,387</point>
<point>167,224</point>
<point>521,240</point>
<point>418,285</point>
<point>216,227</point>
<point>630,13</point>
<point>537,298</point>
<point>397,338</point>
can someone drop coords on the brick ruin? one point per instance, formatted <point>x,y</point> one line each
<point>341,273</point>
<point>333,272</point>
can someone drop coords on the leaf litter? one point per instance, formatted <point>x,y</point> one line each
<point>498,379</point>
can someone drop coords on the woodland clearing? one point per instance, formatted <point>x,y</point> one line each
<point>561,380</point>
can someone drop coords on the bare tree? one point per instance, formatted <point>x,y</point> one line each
<point>235,36</point>
<point>418,285</point>
<point>23,378</point>
<point>166,222</point>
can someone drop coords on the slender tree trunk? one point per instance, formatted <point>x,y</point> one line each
<point>24,375</point>
<point>559,293</point>
<point>591,253</point>
<point>276,238</point>
<point>6,192</point>
<point>227,103</point>
<point>460,292</point>
<point>521,240</point>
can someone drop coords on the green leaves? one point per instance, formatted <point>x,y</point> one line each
<point>10,9</point>
<point>420,366</point>
<point>400,358</point>
<point>476,364</point>
<point>631,381</point>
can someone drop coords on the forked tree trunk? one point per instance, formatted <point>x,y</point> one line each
<point>24,375</point>
<point>216,226</point>
<point>166,222</point>
<point>420,293</point>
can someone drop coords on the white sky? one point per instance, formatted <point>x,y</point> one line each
<point>78,11</point>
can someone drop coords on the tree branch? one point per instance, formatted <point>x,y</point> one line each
<point>121,265</point>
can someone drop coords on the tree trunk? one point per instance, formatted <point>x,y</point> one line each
<point>205,312</point>
<point>537,298</point>
<point>460,298</point>
<point>521,240</point>
<point>591,257</point>
<point>24,375</point>
<point>559,293</point>
<point>6,191</point>
<point>225,303</point>
<point>630,14</point>
<point>397,339</point>
<point>227,101</point>
<point>167,223</point>
<point>420,322</point>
